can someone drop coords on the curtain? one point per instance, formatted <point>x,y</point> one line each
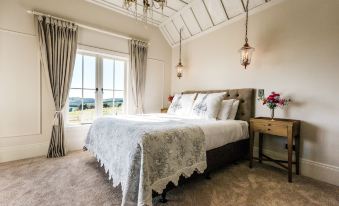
<point>58,45</point>
<point>138,65</point>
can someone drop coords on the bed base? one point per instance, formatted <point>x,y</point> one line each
<point>216,159</point>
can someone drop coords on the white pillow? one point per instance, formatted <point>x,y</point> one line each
<point>181,104</point>
<point>207,106</point>
<point>225,109</point>
<point>234,110</point>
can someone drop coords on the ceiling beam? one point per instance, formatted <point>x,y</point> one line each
<point>188,5</point>
<point>183,20</point>
<point>208,12</point>
<point>223,6</point>
<point>196,19</point>
<point>169,34</point>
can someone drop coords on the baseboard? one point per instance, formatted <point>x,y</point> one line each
<point>23,151</point>
<point>316,170</point>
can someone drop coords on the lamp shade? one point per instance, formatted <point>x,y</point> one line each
<point>246,54</point>
<point>180,69</point>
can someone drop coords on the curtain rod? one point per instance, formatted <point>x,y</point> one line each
<point>82,25</point>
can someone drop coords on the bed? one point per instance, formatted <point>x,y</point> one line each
<point>150,154</point>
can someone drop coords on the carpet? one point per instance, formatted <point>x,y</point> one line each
<point>77,179</point>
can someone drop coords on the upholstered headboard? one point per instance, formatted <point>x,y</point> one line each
<point>246,97</point>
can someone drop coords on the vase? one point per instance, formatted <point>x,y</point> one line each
<point>272,114</point>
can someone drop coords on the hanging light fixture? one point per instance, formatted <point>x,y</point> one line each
<point>246,51</point>
<point>148,6</point>
<point>180,67</point>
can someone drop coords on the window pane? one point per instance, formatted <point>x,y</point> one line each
<point>107,107</point>
<point>89,72</point>
<point>88,113</point>
<point>118,102</point>
<point>77,72</point>
<point>107,73</point>
<point>75,105</point>
<point>119,79</point>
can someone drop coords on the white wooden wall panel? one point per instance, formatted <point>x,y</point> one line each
<point>19,85</point>
<point>154,88</point>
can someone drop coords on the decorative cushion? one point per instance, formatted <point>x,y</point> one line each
<point>181,104</point>
<point>225,109</point>
<point>207,106</point>
<point>234,110</point>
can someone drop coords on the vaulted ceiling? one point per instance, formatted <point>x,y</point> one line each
<point>196,17</point>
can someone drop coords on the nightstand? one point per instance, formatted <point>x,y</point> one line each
<point>286,128</point>
<point>163,110</point>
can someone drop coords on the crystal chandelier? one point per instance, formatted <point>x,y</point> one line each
<point>246,51</point>
<point>148,6</point>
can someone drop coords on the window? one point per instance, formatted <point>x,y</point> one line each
<point>98,88</point>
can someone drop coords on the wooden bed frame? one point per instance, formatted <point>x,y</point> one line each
<point>221,156</point>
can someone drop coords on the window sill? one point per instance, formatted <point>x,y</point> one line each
<point>77,125</point>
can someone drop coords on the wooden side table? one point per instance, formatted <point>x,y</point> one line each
<point>163,110</point>
<point>287,128</point>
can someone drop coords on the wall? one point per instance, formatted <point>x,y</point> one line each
<point>20,68</point>
<point>297,49</point>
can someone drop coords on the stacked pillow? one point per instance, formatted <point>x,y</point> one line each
<point>182,104</point>
<point>207,106</point>
<point>228,109</point>
<point>204,106</point>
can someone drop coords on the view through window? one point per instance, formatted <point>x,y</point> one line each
<point>97,88</point>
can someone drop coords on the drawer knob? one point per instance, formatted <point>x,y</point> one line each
<point>269,129</point>
<point>269,124</point>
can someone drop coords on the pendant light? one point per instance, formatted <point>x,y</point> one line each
<point>180,67</point>
<point>246,51</point>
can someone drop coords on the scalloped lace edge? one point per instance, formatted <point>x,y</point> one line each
<point>160,184</point>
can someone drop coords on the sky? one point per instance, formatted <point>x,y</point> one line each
<point>111,80</point>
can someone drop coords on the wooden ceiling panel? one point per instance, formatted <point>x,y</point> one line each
<point>191,21</point>
<point>216,11</point>
<point>254,3</point>
<point>233,7</point>
<point>197,17</point>
<point>172,31</point>
<point>179,24</point>
<point>202,15</point>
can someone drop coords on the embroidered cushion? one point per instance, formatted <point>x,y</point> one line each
<point>182,104</point>
<point>207,106</point>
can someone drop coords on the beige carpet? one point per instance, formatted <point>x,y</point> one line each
<point>76,180</point>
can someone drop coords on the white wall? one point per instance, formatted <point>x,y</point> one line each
<point>297,48</point>
<point>21,76</point>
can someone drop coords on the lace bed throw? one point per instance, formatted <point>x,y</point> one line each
<point>144,154</point>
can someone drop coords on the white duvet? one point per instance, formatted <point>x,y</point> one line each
<point>217,132</point>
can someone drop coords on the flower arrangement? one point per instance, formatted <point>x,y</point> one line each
<point>274,100</point>
<point>170,98</point>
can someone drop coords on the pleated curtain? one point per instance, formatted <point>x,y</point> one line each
<point>58,45</point>
<point>138,66</point>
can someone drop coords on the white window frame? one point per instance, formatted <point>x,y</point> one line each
<point>99,54</point>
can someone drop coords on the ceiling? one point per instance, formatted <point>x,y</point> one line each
<point>196,17</point>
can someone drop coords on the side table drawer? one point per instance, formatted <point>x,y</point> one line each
<point>270,128</point>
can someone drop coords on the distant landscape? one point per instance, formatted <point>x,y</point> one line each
<point>89,103</point>
<point>76,104</point>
